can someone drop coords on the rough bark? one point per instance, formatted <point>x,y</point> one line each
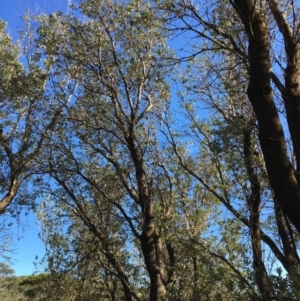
<point>150,239</point>
<point>282,176</point>
<point>291,89</point>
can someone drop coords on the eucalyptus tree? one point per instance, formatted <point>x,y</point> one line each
<point>104,151</point>
<point>264,39</point>
<point>126,211</point>
<point>245,136</point>
<point>77,260</point>
<point>28,112</point>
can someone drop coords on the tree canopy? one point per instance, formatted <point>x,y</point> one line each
<point>158,172</point>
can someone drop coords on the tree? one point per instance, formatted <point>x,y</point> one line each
<point>23,288</point>
<point>9,287</point>
<point>249,41</point>
<point>142,202</point>
<point>117,184</point>
<point>282,174</point>
<point>107,158</point>
<point>234,57</point>
<point>26,99</point>
<point>78,263</point>
<point>5,270</point>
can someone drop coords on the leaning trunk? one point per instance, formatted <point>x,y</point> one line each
<point>282,176</point>
<point>290,91</point>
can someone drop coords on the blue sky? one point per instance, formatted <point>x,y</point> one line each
<point>26,244</point>
<point>12,10</point>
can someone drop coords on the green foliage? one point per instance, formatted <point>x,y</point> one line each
<point>92,124</point>
<point>6,270</point>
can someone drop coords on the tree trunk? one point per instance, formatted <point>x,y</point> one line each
<point>150,239</point>
<point>150,245</point>
<point>254,200</point>
<point>291,90</point>
<point>282,176</point>
<point>289,247</point>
